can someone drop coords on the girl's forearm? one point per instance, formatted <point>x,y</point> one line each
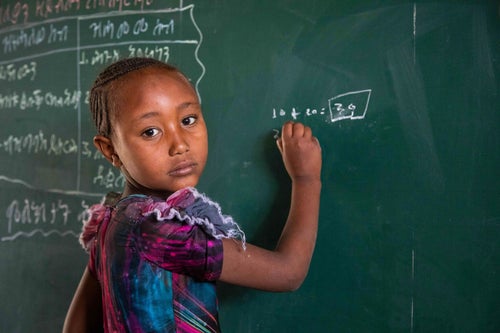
<point>297,241</point>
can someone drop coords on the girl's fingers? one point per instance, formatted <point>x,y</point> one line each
<point>279,143</point>
<point>291,129</point>
<point>287,129</point>
<point>298,130</point>
<point>307,132</point>
<point>301,130</point>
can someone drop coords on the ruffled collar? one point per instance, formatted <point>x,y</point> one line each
<point>186,205</point>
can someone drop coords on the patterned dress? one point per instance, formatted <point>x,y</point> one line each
<point>157,261</point>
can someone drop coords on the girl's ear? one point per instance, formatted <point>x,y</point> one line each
<point>105,146</point>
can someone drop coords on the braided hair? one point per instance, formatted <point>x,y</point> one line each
<point>101,99</point>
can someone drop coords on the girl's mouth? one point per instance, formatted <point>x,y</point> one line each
<point>183,169</point>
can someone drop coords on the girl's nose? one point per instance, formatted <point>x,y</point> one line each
<point>178,144</point>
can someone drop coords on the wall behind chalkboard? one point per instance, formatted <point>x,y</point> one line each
<point>403,97</point>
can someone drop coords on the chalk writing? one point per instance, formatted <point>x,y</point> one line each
<point>57,34</point>
<point>30,212</point>
<point>17,13</point>
<point>89,151</point>
<point>350,105</point>
<point>12,72</point>
<point>52,145</point>
<point>102,29</point>
<point>44,8</point>
<point>84,42</point>
<point>99,57</point>
<point>23,39</point>
<point>54,212</point>
<point>123,29</point>
<point>160,53</point>
<point>296,112</point>
<point>108,56</point>
<point>163,28</point>
<point>27,217</point>
<point>37,98</point>
<point>141,26</point>
<point>38,143</point>
<point>106,29</point>
<point>20,12</point>
<point>117,4</point>
<point>109,178</point>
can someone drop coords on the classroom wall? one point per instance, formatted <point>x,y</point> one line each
<point>402,95</point>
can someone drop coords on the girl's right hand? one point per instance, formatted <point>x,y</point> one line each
<point>285,267</point>
<point>301,152</point>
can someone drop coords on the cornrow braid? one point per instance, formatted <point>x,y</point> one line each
<point>101,93</point>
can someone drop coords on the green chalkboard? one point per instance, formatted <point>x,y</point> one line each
<point>403,97</point>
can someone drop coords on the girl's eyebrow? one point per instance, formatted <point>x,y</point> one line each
<point>148,115</point>
<point>180,107</point>
<point>187,105</point>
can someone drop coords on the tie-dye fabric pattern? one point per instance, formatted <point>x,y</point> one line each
<point>157,261</point>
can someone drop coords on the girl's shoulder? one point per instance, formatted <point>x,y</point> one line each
<point>186,206</point>
<point>96,215</point>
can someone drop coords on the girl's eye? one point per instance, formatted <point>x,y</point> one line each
<point>150,132</point>
<point>189,120</point>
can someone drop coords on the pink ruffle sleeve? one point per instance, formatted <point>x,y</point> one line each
<point>97,214</point>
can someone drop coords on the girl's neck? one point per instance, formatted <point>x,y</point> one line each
<point>131,189</point>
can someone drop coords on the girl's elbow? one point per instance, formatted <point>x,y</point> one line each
<point>294,282</point>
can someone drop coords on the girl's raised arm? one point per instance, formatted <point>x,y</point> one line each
<point>285,268</point>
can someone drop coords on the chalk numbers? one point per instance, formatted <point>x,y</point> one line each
<point>296,112</point>
<point>344,111</point>
<point>351,105</point>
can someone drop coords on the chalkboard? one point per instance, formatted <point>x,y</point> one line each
<point>403,97</point>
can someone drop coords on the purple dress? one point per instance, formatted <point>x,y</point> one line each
<point>157,261</point>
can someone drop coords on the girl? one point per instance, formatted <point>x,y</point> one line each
<point>157,250</point>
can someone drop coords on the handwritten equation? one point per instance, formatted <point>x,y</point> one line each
<point>351,105</point>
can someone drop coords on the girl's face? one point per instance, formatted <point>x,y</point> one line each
<point>159,133</point>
